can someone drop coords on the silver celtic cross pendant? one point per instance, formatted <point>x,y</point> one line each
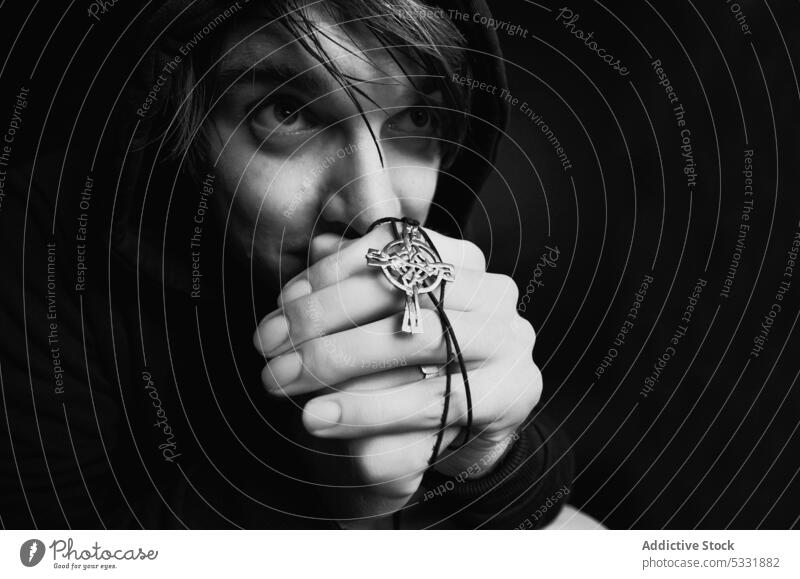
<point>410,264</point>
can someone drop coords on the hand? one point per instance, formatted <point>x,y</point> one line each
<point>337,333</point>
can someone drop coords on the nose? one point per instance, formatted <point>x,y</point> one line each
<point>359,185</point>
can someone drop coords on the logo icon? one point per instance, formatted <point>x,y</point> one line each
<point>32,552</point>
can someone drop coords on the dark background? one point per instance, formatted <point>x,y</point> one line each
<point>715,443</point>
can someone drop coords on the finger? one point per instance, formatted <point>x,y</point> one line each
<point>342,264</point>
<point>412,406</point>
<point>320,247</point>
<point>364,298</point>
<point>326,244</point>
<point>331,359</point>
<point>383,380</point>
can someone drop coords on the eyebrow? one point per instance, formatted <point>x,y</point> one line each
<point>274,72</point>
<point>308,80</point>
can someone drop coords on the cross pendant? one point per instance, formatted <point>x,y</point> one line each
<point>414,267</point>
<point>412,322</point>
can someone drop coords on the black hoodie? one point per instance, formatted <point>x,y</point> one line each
<point>130,404</point>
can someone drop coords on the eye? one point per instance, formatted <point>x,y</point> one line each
<point>283,115</point>
<point>416,121</point>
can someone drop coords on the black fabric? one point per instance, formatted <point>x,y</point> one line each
<point>525,491</point>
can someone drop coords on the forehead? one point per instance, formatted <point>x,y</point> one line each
<point>258,43</point>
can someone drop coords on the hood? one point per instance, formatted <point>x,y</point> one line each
<point>147,186</point>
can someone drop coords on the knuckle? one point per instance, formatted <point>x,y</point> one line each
<point>532,392</point>
<point>306,317</point>
<point>473,256</point>
<point>297,287</point>
<point>524,333</point>
<point>325,272</point>
<point>509,290</point>
<point>317,249</point>
<point>295,314</point>
<point>316,361</point>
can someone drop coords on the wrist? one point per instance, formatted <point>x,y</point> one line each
<point>476,459</point>
<point>498,453</point>
<point>513,458</point>
<point>532,467</point>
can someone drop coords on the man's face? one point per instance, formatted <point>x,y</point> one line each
<point>294,158</point>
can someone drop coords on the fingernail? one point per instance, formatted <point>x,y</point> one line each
<point>272,334</point>
<point>282,371</point>
<point>322,414</point>
<point>293,290</point>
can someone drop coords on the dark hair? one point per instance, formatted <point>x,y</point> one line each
<point>422,33</point>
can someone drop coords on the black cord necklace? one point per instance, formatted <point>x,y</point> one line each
<point>451,342</point>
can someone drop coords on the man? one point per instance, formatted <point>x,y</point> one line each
<point>257,145</point>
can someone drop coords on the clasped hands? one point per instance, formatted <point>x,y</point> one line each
<point>336,335</point>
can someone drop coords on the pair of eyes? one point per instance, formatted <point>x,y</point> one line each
<point>285,115</point>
